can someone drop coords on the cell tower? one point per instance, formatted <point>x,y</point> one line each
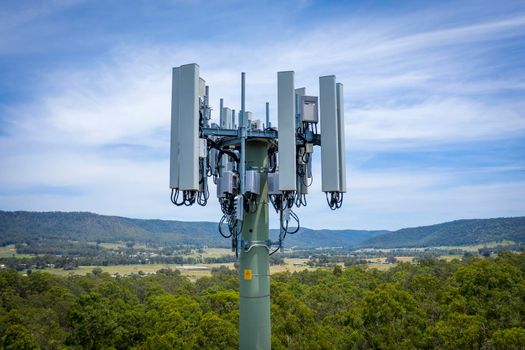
<point>253,164</point>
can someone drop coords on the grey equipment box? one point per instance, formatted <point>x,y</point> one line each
<point>253,181</point>
<point>227,183</point>
<point>309,109</point>
<point>273,183</point>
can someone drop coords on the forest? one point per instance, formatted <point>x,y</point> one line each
<point>474,303</point>
<point>47,232</point>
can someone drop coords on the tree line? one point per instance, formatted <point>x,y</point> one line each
<point>475,303</point>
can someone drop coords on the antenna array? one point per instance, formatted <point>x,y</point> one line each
<point>253,164</point>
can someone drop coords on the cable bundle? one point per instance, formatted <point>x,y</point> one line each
<point>334,200</point>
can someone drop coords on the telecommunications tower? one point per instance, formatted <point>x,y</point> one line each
<point>252,165</point>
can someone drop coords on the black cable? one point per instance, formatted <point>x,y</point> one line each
<point>277,201</point>
<point>227,204</point>
<point>329,200</point>
<point>334,200</point>
<point>202,197</point>
<point>222,150</point>
<point>175,196</point>
<point>296,218</point>
<point>306,156</point>
<point>189,197</point>
<point>250,203</point>
<point>300,200</point>
<point>289,198</point>
<point>220,227</point>
<point>311,181</point>
<point>209,170</point>
<point>299,134</point>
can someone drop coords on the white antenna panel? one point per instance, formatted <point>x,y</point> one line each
<point>286,133</point>
<point>341,138</point>
<point>248,118</point>
<point>174,151</point>
<point>227,118</point>
<point>188,127</point>
<point>202,87</point>
<point>330,145</point>
<point>226,123</point>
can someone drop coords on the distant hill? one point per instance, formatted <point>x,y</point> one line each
<point>459,232</point>
<point>22,226</point>
<point>308,238</point>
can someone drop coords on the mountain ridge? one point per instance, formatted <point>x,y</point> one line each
<point>23,226</point>
<point>458,232</point>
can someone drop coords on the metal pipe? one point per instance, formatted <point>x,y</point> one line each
<point>243,94</point>
<point>268,125</point>
<point>254,268</point>
<point>242,129</point>
<point>207,115</point>
<point>221,114</point>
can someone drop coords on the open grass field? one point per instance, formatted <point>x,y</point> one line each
<point>197,271</point>
<point>186,270</point>
<point>208,252</point>
<point>211,253</point>
<point>292,265</point>
<point>467,248</point>
<point>120,245</point>
<point>475,247</point>
<point>112,246</point>
<point>194,273</point>
<point>9,251</point>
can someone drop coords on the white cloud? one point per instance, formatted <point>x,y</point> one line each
<point>440,121</point>
<point>17,18</point>
<point>404,90</point>
<point>400,198</point>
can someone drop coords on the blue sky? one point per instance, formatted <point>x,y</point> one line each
<point>434,101</point>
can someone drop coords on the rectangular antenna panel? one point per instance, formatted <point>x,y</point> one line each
<point>213,161</point>
<point>226,122</point>
<point>188,135</point>
<point>202,87</point>
<point>286,130</point>
<point>341,138</point>
<point>203,148</point>
<point>256,125</point>
<point>300,91</point>
<point>174,150</point>
<point>330,145</point>
<point>248,118</point>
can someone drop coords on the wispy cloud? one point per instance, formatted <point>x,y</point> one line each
<point>420,80</point>
<point>21,21</point>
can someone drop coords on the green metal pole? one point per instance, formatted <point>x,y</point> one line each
<point>254,267</point>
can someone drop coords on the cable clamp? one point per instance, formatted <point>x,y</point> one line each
<point>248,245</point>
